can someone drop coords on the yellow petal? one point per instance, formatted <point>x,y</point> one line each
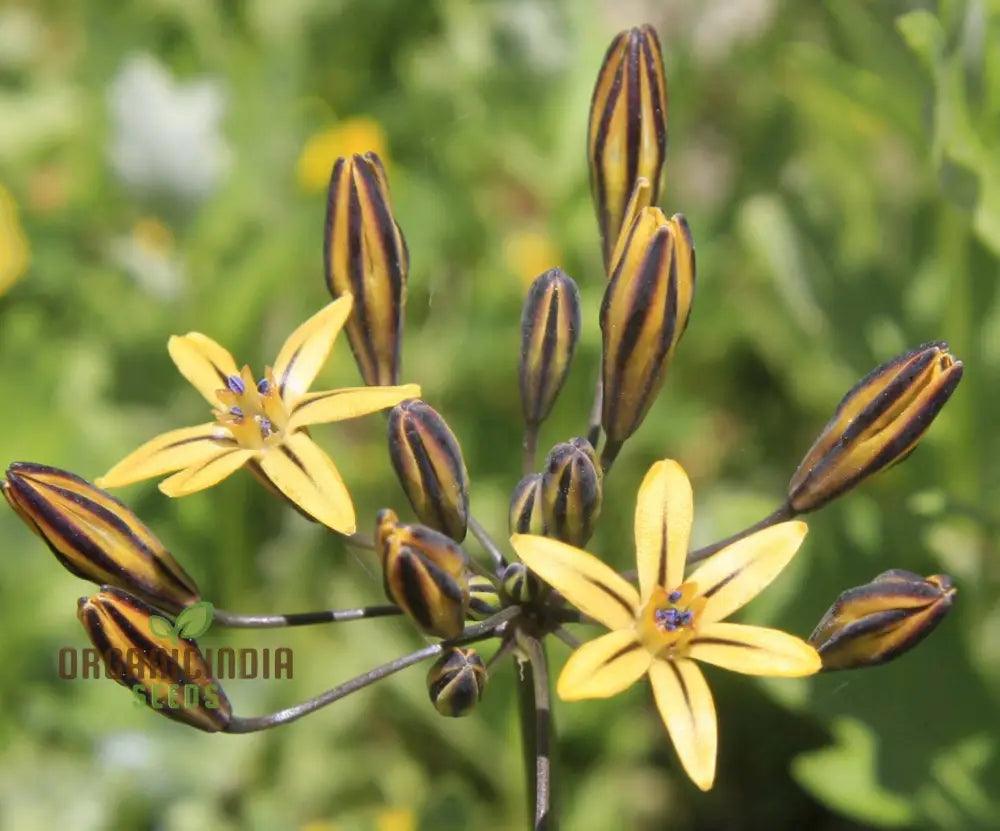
<point>663,515</point>
<point>306,475</point>
<point>203,362</point>
<point>754,650</point>
<point>350,402</point>
<point>307,348</point>
<point>168,452</point>
<point>738,573</point>
<point>209,472</point>
<point>686,707</point>
<point>604,667</point>
<point>590,585</point>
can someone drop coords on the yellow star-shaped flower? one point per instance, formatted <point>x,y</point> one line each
<point>262,423</point>
<point>670,622</point>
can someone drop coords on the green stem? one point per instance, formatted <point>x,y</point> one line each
<point>487,542</point>
<point>780,515</point>
<point>536,730</point>
<point>529,448</point>
<point>220,617</point>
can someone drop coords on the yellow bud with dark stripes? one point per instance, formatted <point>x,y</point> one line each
<point>425,574</point>
<point>572,489</point>
<point>875,623</point>
<point>428,462</point>
<point>455,682</point>
<point>525,515</point>
<point>365,255</point>
<point>95,536</point>
<point>877,424</point>
<point>484,599</point>
<point>519,586</point>
<point>142,651</point>
<point>645,311</point>
<point>550,328</point>
<point>627,132</point>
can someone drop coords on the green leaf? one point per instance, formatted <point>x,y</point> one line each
<point>162,628</point>
<point>195,620</point>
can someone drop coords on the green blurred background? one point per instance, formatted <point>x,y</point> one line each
<point>162,168</point>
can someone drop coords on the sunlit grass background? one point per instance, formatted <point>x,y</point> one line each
<point>162,169</point>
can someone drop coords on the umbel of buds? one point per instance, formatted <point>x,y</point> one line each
<point>525,514</point>
<point>365,255</point>
<point>627,133</point>
<point>872,624</point>
<point>424,573</point>
<point>572,492</point>
<point>876,424</point>
<point>95,536</point>
<point>550,328</point>
<point>455,682</point>
<point>165,671</point>
<point>428,462</point>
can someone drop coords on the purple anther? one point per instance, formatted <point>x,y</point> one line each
<point>235,384</point>
<point>266,428</point>
<point>674,596</point>
<point>263,387</point>
<point>236,411</point>
<point>687,617</point>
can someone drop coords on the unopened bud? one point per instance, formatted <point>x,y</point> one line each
<point>484,599</point>
<point>525,516</point>
<point>875,623</point>
<point>572,490</point>
<point>876,424</point>
<point>519,585</point>
<point>455,682</point>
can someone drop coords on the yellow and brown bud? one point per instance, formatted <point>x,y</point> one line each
<point>365,255</point>
<point>572,492</point>
<point>627,133</point>
<point>525,514</point>
<point>550,328</point>
<point>645,311</point>
<point>95,536</point>
<point>166,671</point>
<point>519,585</point>
<point>877,424</point>
<point>429,465</point>
<point>484,599</point>
<point>455,682</point>
<point>875,623</point>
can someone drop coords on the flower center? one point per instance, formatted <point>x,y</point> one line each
<point>669,619</point>
<point>252,411</point>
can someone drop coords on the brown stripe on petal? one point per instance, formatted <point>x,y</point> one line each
<point>611,593</point>
<point>288,371</point>
<point>661,566</point>
<point>722,583</point>
<point>625,650</point>
<point>683,685</point>
<point>699,640</point>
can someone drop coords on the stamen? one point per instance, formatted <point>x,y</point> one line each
<point>235,384</point>
<point>674,596</point>
<point>263,387</point>
<point>266,428</point>
<point>236,411</point>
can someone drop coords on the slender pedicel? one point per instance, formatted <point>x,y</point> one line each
<point>220,617</point>
<point>781,514</point>
<point>488,543</point>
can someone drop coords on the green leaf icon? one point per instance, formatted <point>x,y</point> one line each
<point>162,628</point>
<point>195,620</point>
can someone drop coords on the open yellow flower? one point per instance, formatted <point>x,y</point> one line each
<point>670,622</point>
<point>261,423</point>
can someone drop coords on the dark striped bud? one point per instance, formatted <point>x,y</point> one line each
<point>645,311</point>
<point>520,587</point>
<point>424,573</point>
<point>525,516</point>
<point>627,133</point>
<point>165,671</point>
<point>550,328</point>
<point>365,255</point>
<point>877,424</point>
<point>875,623</point>
<point>455,682</point>
<point>429,464</point>
<point>484,599</point>
<point>95,536</point>
<point>572,491</point>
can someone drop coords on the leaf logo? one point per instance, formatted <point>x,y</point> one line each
<point>192,622</point>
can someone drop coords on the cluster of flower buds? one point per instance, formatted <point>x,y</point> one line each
<point>572,492</point>
<point>875,623</point>
<point>455,682</point>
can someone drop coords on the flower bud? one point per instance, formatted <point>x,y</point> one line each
<point>95,536</point>
<point>456,682</point>
<point>645,311</point>
<point>429,464</point>
<point>365,255</point>
<point>519,585</point>
<point>484,600</point>
<point>165,671</point>
<point>525,516</point>
<point>571,489</point>
<point>550,328</point>
<point>872,624</point>
<point>876,424</point>
<point>627,134</point>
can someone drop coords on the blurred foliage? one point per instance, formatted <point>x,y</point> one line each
<point>837,165</point>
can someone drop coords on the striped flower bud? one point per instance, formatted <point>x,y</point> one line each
<point>550,328</point>
<point>875,623</point>
<point>645,311</point>
<point>95,536</point>
<point>484,599</point>
<point>520,587</point>
<point>455,682</point>
<point>571,490</point>
<point>365,255</point>
<point>165,671</point>
<point>429,464</point>
<point>876,424</point>
<point>424,573</point>
<point>525,516</point>
<point>627,133</point>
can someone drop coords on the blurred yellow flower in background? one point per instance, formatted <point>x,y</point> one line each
<point>528,254</point>
<point>14,252</point>
<point>351,135</point>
